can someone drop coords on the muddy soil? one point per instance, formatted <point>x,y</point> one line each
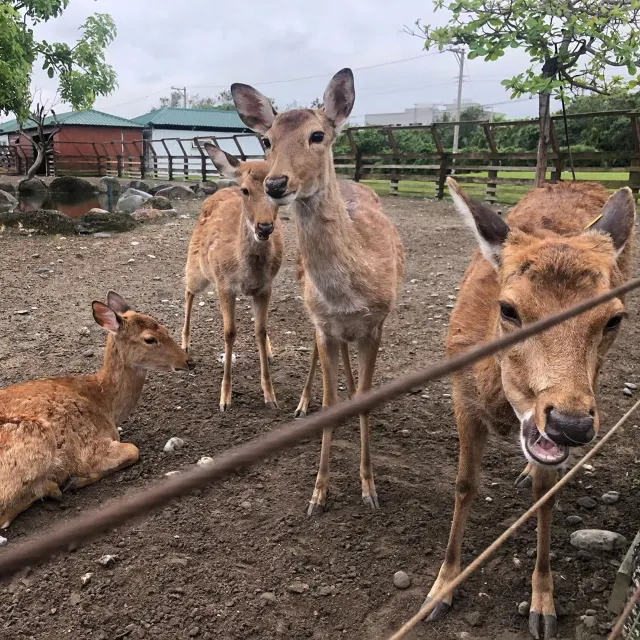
<point>201,567</point>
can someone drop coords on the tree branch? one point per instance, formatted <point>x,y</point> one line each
<point>580,85</point>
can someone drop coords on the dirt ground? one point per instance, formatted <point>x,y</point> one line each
<point>200,568</point>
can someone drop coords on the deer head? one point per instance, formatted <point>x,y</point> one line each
<point>299,141</point>
<point>550,379</point>
<point>259,212</point>
<point>143,341</point>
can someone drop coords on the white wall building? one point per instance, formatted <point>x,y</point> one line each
<point>418,114</point>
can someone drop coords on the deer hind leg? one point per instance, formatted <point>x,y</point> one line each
<point>542,615</point>
<point>367,355</point>
<point>228,308</point>
<point>348,373</point>
<point>305,398</point>
<point>261,313</point>
<point>196,283</point>
<point>328,350</point>
<point>108,459</point>
<point>472,438</point>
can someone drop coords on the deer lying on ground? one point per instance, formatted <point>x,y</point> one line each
<point>64,431</point>
<point>351,254</point>
<point>552,252</point>
<point>238,244</point>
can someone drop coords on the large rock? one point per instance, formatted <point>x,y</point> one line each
<point>157,202</point>
<point>95,221</point>
<point>72,185</point>
<point>176,192</point>
<point>140,186</point>
<point>41,221</point>
<point>207,188</point>
<point>159,187</point>
<point>131,200</point>
<point>597,540</point>
<point>7,201</point>
<point>8,187</point>
<point>109,183</point>
<point>224,183</point>
<point>32,185</point>
<point>153,215</point>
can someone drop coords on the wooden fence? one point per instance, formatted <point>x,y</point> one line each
<point>491,174</point>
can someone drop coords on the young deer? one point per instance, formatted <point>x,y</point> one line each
<point>64,431</point>
<point>238,244</point>
<point>351,254</point>
<point>552,252</point>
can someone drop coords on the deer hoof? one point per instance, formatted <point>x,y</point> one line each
<point>270,360</point>
<point>224,407</point>
<point>546,623</point>
<point>371,501</point>
<point>70,484</point>
<point>300,413</point>
<point>315,509</point>
<point>524,480</point>
<point>271,405</point>
<point>438,611</point>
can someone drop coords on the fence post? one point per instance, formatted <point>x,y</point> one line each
<point>492,174</point>
<point>445,161</point>
<point>120,166</point>
<point>355,154</point>
<point>634,176</point>
<point>394,178</point>
<point>556,174</point>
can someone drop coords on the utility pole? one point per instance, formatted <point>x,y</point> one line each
<point>459,54</point>
<point>183,91</point>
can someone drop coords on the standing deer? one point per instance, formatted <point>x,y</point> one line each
<point>350,253</point>
<point>238,244</point>
<point>549,254</point>
<point>64,431</point>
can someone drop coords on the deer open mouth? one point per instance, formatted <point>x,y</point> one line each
<point>540,448</point>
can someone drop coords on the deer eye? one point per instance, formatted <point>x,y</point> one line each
<point>614,322</point>
<point>245,191</point>
<point>317,136</point>
<point>150,341</point>
<point>509,314</point>
<point>267,143</point>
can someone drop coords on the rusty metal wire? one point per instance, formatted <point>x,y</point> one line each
<point>85,527</point>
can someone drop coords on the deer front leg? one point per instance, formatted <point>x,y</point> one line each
<point>542,615</point>
<point>228,308</point>
<point>261,312</point>
<point>328,350</point>
<point>305,398</point>
<point>109,458</point>
<point>472,439</point>
<point>367,355</point>
<point>50,489</point>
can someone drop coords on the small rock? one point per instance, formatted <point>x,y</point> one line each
<point>194,631</point>
<point>401,580</point>
<point>42,270</point>
<point>172,473</point>
<point>298,587</point>
<point>416,390</point>
<point>246,505</point>
<point>75,599</point>
<point>173,444</point>
<point>590,612</point>
<point>86,578</point>
<point>324,591</point>
<point>611,497</point>
<point>631,385</point>
<point>627,392</point>
<point>204,460</point>
<point>107,560</point>
<point>589,621</point>
<point>588,467</point>
<point>586,502</point>
<point>3,542</point>
<point>523,608</point>
<point>88,353</point>
<point>268,596</point>
<point>599,584</point>
<point>473,619</point>
<point>102,234</point>
<point>488,499</point>
<point>22,312</point>
<point>597,540</point>
<point>573,520</point>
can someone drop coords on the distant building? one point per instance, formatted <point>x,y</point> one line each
<point>178,128</point>
<point>418,114</point>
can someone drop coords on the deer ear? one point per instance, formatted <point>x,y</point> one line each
<point>339,97</point>
<point>254,109</point>
<point>489,228</point>
<point>105,316</point>
<point>226,164</point>
<point>117,303</point>
<point>618,217</point>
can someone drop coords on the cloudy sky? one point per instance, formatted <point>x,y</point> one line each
<point>276,45</point>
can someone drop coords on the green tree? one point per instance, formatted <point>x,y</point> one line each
<point>175,100</point>
<point>571,45</point>
<point>81,69</point>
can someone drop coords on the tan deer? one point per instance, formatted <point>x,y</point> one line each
<point>350,253</point>
<point>553,251</point>
<point>238,244</point>
<point>64,431</point>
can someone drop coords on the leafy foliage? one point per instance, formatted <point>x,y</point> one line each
<point>82,70</point>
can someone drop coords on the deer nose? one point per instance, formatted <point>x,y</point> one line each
<point>570,429</point>
<point>265,229</point>
<point>276,187</point>
<point>191,363</point>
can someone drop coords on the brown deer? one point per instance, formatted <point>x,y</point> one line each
<point>350,252</point>
<point>238,244</point>
<point>64,431</point>
<point>562,244</point>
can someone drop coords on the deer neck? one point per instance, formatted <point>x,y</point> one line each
<point>120,384</point>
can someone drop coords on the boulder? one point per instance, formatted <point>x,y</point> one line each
<point>7,201</point>
<point>40,221</point>
<point>224,183</point>
<point>32,185</point>
<point>597,540</point>
<point>72,185</point>
<point>97,210</point>
<point>131,200</point>
<point>159,187</point>
<point>8,187</point>
<point>99,221</point>
<point>207,189</point>
<point>157,202</point>
<point>153,215</point>
<point>176,192</point>
<point>140,186</point>
<point>109,183</point>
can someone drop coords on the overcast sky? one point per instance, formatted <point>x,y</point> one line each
<point>206,45</point>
